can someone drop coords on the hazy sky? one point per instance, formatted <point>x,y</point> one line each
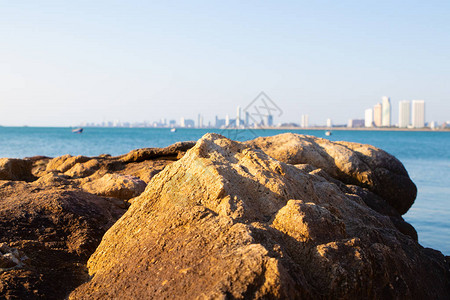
<point>67,62</point>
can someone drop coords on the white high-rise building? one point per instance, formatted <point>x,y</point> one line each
<point>368,117</point>
<point>200,121</point>
<point>227,120</point>
<point>418,114</point>
<point>238,116</point>
<point>182,122</point>
<point>386,111</point>
<point>404,114</point>
<point>305,121</point>
<point>329,123</point>
<point>377,115</point>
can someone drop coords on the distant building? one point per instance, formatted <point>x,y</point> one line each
<point>377,115</point>
<point>189,123</point>
<point>418,114</point>
<point>227,120</point>
<point>434,125</point>
<point>269,120</point>
<point>247,118</point>
<point>355,123</point>
<point>404,114</point>
<point>329,123</point>
<point>182,122</point>
<point>200,121</point>
<point>386,112</point>
<point>219,122</point>
<point>368,117</point>
<point>305,121</point>
<point>238,117</point>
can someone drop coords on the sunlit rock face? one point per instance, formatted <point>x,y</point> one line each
<point>352,163</point>
<point>54,212</point>
<point>229,221</point>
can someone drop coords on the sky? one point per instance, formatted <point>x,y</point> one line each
<point>63,63</point>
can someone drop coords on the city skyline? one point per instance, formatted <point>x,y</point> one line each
<point>381,114</point>
<point>410,116</point>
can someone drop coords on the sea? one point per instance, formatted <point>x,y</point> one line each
<point>426,156</point>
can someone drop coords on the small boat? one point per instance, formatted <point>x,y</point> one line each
<point>327,133</point>
<point>173,130</point>
<point>77,130</point>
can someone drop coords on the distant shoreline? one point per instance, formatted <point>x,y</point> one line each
<point>337,129</point>
<point>261,128</point>
<point>360,129</point>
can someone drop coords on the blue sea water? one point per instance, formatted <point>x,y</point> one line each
<point>426,156</point>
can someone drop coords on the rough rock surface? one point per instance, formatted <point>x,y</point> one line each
<point>84,169</point>
<point>116,185</point>
<point>228,221</point>
<point>65,162</point>
<point>10,258</point>
<point>15,169</point>
<point>56,228</point>
<point>174,151</point>
<point>50,225</point>
<point>351,163</point>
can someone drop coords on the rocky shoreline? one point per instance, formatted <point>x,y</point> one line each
<point>289,216</point>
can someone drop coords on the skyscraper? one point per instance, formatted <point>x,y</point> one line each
<point>404,114</point>
<point>329,123</point>
<point>238,116</point>
<point>199,121</point>
<point>368,117</point>
<point>377,115</point>
<point>418,113</point>
<point>386,111</point>
<point>269,120</point>
<point>305,120</point>
<point>227,120</point>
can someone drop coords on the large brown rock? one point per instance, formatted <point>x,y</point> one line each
<point>174,151</point>
<point>49,228</point>
<point>228,221</point>
<point>117,186</point>
<point>15,169</point>
<point>47,232</point>
<point>84,169</point>
<point>65,162</point>
<point>351,163</point>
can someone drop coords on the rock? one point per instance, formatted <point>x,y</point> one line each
<point>10,258</point>
<point>173,151</point>
<point>57,228</point>
<point>15,169</point>
<point>370,199</point>
<point>229,221</point>
<point>83,169</point>
<point>351,163</point>
<point>145,170</point>
<point>52,179</point>
<point>65,162</point>
<point>39,165</point>
<point>116,185</point>
<point>57,224</point>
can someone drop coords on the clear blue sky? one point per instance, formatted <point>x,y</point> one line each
<point>67,62</point>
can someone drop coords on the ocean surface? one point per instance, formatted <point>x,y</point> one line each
<point>426,156</point>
